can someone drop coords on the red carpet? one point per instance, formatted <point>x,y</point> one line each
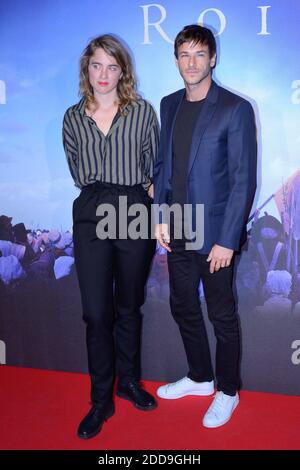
<point>41,410</point>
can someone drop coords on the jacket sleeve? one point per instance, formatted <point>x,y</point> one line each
<point>159,190</point>
<point>242,162</point>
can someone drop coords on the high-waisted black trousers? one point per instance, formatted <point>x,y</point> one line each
<point>112,275</point>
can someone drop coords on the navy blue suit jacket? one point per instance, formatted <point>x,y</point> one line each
<point>221,167</point>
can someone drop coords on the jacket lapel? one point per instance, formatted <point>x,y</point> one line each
<point>204,118</point>
<point>172,113</point>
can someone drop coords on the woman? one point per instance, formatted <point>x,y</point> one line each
<point>111,140</point>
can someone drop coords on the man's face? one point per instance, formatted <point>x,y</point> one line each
<point>104,72</point>
<point>194,63</point>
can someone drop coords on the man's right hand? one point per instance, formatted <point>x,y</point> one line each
<point>162,235</point>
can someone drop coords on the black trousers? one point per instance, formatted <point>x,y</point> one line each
<point>186,268</point>
<point>112,275</point>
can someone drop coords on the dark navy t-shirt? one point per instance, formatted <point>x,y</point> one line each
<point>182,138</point>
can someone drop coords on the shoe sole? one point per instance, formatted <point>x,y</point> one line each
<point>196,394</point>
<point>223,422</point>
<point>89,436</point>
<point>141,408</point>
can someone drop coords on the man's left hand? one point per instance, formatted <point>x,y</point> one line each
<point>219,257</point>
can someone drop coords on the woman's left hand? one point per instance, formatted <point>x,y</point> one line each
<point>151,191</point>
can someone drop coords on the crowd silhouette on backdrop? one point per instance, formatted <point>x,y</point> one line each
<point>268,277</point>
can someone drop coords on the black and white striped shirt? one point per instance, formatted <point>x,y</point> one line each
<point>125,156</point>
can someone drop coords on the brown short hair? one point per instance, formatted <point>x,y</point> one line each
<point>195,33</point>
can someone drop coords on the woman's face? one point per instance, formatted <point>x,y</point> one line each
<point>104,73</point>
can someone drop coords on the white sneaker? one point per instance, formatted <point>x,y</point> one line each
<point>185,387</point>
<point>220,411</point>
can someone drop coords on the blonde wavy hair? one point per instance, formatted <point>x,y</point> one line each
<point>126,88</point>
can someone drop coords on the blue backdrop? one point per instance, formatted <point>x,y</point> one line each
<point>258,57</point>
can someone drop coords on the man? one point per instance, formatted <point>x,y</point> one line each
<point>6,228</point>
<point>207,156</point>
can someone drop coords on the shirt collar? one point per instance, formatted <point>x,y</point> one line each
<point>80,107</point>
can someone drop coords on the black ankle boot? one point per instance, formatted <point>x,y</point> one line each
<point>92,423</point>
<point>133,392</point>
